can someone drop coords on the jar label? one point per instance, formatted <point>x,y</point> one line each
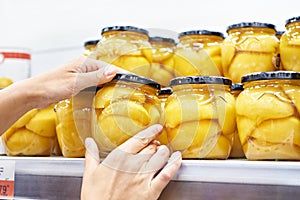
<point>17,55</point>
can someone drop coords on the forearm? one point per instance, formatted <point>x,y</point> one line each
<point>15,101</point>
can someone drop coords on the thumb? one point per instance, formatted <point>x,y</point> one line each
<point>104,73</point>
<point>92,158</point>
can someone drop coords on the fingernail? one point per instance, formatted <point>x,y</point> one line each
<point>91,148</point>
<point>154,129</point>
<point>111,71</point>
<point>174,157</point>
<point>88,142</point>
<point>157,127</point>
<point>156,142</point>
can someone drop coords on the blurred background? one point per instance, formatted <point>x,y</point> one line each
<point>55,30</point>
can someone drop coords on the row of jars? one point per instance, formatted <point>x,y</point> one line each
<point>204,117</point>
<point>249,47</point>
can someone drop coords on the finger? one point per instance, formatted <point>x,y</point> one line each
<point>107,73</point>
<point>158,160</point>
<point>92,158</point>
<point>98,77</point>
<point>141,140</point>
<point>93,72</point>
<point>149,150</point>
<point>167,173</point>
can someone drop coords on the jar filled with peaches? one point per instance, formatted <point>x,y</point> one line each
<point>198,53</point>
<point>268,116</point>
<point>290,45</point>
<point>127,47</point>
<point>122,108</point>
<point>200,117</point>
<point>250,47</point>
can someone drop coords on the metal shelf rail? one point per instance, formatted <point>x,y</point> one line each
<point>60,178</point>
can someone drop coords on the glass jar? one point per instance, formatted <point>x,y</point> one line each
<point>127,47</point>
<point>74,122</point>
<point>14,64</point>
<point>33,134</point>
<point>200,117</point>
<point>163,95</point>
<point>122,108</point>
<point>249,47</point>
<point>290,45</point>
<point>162,65</point>
<point>198,53</point>
<point>268,115</point>
<point>237,150</point>
<point>90,46</point>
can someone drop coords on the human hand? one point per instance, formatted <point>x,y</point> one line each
<point>140,168</point>
<point>69,79</point>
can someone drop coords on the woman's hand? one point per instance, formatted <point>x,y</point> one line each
<point>69,79</point>
<point>139,169</point>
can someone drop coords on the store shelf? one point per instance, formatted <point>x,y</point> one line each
<point>228,171</point>
<point>63,175</point>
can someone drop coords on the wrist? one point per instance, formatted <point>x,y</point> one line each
<point>29,95</point>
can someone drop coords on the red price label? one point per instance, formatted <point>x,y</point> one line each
<point>7,179</point>
<point>6,188</point>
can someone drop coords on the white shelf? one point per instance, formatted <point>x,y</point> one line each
<point>218,171</point>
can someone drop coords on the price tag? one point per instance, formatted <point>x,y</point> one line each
<point>7,179</point>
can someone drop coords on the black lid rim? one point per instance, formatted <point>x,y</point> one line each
<point>165,90</point>
<point>280,32</point>
<point>201,32</point>
<point>136,79</point>
<point>279,75</point>
<point>251,24</point>
<point>291,20</point>
<point>161,39</point>
<point>91,42</point>
<point>124,28</point>
<point>200,80</point>
<point>237,86</point>
<point>90,89</point>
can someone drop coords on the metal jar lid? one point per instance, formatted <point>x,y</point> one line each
<point>91,42</point>
<point>200,80</point>
<point>124,28</point>
<point>200,32</point>
<point>249,25</point>
<point>237,87</point>
<point>165,91</point>
<point>136,79</point>
<point>291,20</point>
<point>280,75</point>
<point>161,39</point>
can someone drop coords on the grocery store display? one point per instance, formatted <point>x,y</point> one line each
<point>268,117</point>
<point>162,64</point>
<point>290,45</point>
<point>198,53</point>
<point>200,117</point>
<point>32,135</point>
<point>127,47</point>
<point>15,64</point>
<point>205,111</point>
<point>237,149</point>
<point>250,47</point>
<point>122,108</point>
